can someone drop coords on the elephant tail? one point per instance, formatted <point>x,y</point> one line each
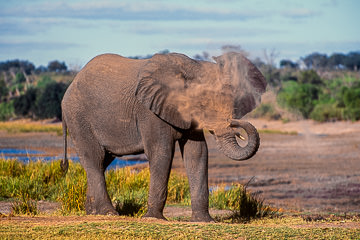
<point>64,162</point>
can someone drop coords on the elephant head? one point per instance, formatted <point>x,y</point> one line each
<point>187,93</point>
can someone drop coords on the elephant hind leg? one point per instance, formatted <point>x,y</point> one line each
<point>94,160</point>
<point>97,198</point>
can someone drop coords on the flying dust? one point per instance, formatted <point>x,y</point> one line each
<point>226,90</point>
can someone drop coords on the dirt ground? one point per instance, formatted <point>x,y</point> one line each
<point>317,170</point>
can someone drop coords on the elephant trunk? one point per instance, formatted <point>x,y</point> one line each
<point>227,143</point>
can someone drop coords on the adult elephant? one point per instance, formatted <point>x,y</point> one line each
<point>118,106</point>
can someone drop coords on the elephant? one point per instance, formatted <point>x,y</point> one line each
<point>118,106</point>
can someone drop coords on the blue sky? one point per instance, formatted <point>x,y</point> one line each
<point>77,30</point>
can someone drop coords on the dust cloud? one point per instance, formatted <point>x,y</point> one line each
<point>226,90</point>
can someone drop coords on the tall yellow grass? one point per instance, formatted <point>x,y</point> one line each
<point>25,126</point>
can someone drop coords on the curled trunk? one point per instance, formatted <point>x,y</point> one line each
<point>227,143</point>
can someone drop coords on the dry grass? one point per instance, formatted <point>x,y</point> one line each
<point>25,126</point>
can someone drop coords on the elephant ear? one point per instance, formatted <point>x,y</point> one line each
<point>161,79</point>
<point>247,82</point>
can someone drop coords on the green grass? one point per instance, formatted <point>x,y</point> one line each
<point>90,227</point>
<point>128,189</point>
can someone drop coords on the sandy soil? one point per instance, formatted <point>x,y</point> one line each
<point>317,170</point>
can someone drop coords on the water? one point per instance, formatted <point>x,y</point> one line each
<point>7,151</point>
<point>26,155</point>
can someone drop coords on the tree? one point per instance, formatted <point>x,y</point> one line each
<point>56,66</point>
<point>25,66</point>
<point>25,105</point>
<point>3,90</point>
<point>49,103</point>
<point>352,61</point>
<point>315,61</point>
<point>20,78</point>
<point>336,61</point>
<point>288,64</point>
<point>309,76</point>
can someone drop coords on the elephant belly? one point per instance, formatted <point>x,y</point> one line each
<point>119,136</point>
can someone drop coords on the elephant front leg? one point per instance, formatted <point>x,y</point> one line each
<point>195,155</point>
<point>160,166</point>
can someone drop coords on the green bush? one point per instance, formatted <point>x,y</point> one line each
<point>44,81</point>
<point>244,205</point>
<point>325,112</point>
<point>351,98</point>
<point>6,111</point>
<point>20,78</point>
<point>309,76</point>
<point>298,97</point>
<point>4,91</point>
<point>25,105</point>
<point>49,102</point>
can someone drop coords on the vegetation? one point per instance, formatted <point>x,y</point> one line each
<point>26,91</point>
<point>28,183</point>
<point>106,227</point>
<point>319,87</point>
<point>26,126</point>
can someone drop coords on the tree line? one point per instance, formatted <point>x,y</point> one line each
<point>320,87</point>
<point>335,61</point>
<point>27,91</point>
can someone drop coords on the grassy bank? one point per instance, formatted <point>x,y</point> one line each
<point>103,227</point>
<point>25,184</point>
<point>26,126</point>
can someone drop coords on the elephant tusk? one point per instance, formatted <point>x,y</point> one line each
<point>240,136</point>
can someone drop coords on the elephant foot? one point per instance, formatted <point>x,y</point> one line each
<point>156,215</point>
<point>201,217</point>
<point>100,209</point>
<point>109,212</point>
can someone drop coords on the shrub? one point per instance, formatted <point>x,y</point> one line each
<point>25,105</point>
<point>351,98</point>
<point>44,81</point>
<point>6,111</point>
<point>243,204</point>
<point>49,102</point>
<point>24,205</point>
<point>20,78</point>
<point>298,97</point>
<point>325,112</point>
<point>3,90</point>
<point>309,76</point>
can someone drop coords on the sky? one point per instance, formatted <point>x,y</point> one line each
<point>75,31</point>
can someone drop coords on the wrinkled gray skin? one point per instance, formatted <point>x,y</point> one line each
<point>118,106</point>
